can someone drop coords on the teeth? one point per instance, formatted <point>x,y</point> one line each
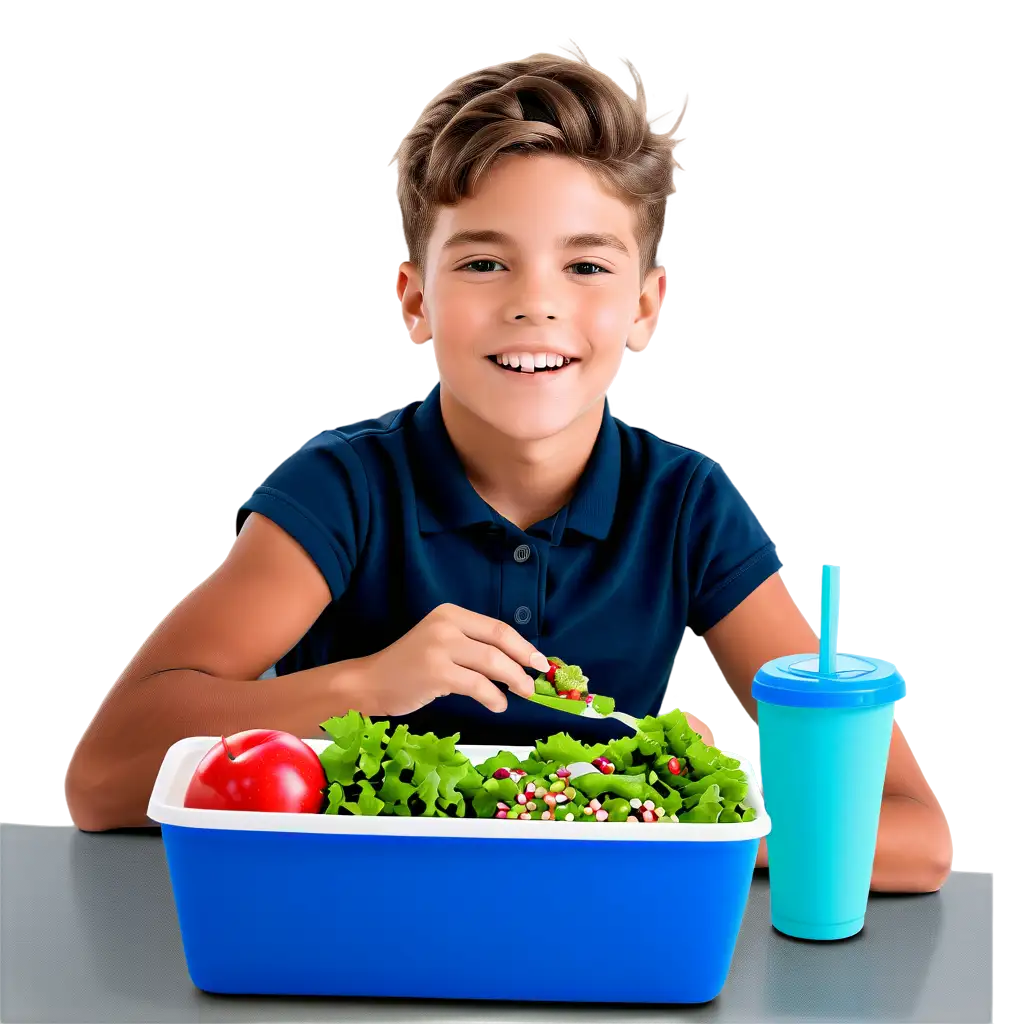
<point>529,363</point>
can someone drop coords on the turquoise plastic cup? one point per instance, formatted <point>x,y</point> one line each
<point>825,724</point>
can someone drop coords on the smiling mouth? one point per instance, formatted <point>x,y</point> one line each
<point>540,369</point>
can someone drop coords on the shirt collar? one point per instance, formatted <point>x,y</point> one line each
<point>592,506</point>
<point>446,500</point>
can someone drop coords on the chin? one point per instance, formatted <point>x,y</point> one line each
<point>527,412</point>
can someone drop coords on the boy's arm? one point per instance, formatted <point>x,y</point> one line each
<point>197,675</point>
<point>914,851</point>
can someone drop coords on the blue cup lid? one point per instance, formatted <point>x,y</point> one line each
<point>796,681</point>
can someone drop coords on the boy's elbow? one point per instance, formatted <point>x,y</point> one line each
<point>939,868</point>
<point>86,824</point>
<point>937,864</point>
<point>88,815</point>
<point>80,799</point>
<point>84,796</point>
<point>929,877</point>
<point>914,853</point>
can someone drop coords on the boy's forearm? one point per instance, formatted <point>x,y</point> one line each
<point>112,772</point>
<point>914,850</point>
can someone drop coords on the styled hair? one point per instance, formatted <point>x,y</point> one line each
<point>542,104</point>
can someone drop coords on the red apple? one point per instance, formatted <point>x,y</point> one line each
<point>259,770</point>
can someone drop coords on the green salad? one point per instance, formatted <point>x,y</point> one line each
<point>663,773</point>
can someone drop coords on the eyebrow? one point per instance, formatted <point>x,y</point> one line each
<point>587,240</point>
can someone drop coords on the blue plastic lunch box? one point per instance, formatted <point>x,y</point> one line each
<point>449,908</point>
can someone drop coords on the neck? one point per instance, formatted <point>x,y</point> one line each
<point>524,481</point>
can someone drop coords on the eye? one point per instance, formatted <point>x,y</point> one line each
<point>595,266</point>
<point>476,263</point>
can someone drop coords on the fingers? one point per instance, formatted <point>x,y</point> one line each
<point>472,684</point>
<point>493,663</point>
<point>498,634</point>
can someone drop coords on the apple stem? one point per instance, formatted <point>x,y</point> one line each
<point>226,749</point>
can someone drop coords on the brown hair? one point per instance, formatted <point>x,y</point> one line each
<point>541,104</point>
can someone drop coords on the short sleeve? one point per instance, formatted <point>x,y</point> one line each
<point>728,554</point>
<point>320,496</point>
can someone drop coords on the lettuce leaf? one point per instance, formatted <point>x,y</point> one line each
<point>502,759</point>
<point>620,752</point>
<point>393,791</point>
<point>707,809</point>
<point>565,750</point>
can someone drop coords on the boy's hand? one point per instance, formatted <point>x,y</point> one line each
<point>699,727</point>
<point>451,650</point>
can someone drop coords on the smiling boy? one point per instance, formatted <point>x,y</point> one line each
<point>403,565</point>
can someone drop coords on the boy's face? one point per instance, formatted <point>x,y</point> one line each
<point>532,293</point>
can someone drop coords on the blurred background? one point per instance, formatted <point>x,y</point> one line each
<point>200,241</point>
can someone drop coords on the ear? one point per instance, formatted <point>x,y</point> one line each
<point>652,295</point>
<point>414,312</point>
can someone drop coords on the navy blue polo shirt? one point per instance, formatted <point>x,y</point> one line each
<point>654,539</point>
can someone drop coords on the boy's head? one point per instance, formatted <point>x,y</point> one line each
<point>543,155</point>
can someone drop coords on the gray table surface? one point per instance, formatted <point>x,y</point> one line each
<point>89,932</point>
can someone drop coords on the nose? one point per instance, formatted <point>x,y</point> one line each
<point>531,296</point>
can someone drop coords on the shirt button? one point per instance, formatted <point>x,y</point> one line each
<point>521,553</point>
<point>523,615</point>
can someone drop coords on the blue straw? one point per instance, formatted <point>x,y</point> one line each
<point>829,619</point>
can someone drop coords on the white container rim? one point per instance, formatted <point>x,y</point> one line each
<point>166,807</point>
